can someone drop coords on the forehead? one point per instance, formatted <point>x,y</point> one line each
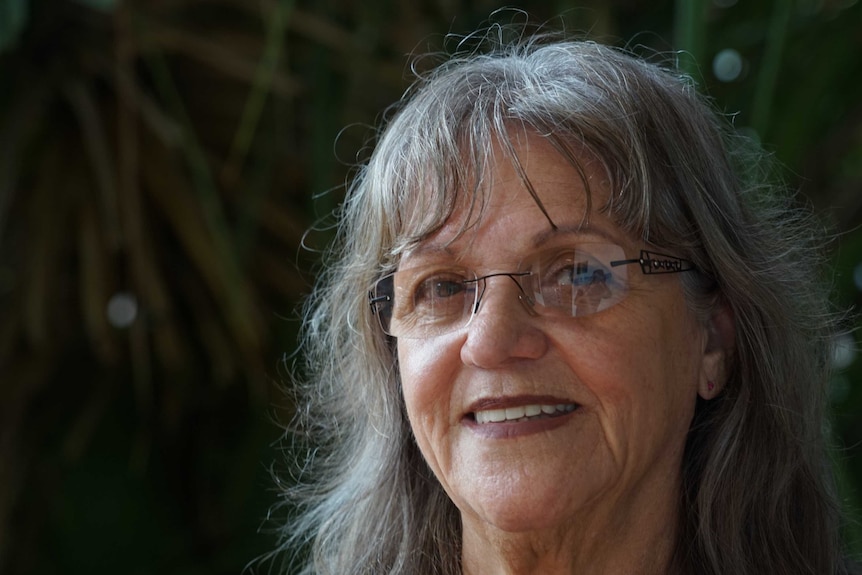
<point>528,190</point>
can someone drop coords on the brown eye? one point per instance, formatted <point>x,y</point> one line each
<point>579,281</point>
<point>448,288</point>
<point>569,273</point>
<point>434,289</point>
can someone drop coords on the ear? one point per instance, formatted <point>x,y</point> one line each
<point>719,345</point>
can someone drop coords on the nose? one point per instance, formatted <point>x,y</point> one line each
<point>502,329</point>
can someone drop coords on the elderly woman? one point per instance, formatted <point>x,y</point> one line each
<point>567,328</point>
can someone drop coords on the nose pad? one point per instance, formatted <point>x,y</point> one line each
<point>528,302</point>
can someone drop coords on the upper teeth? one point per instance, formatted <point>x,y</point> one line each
<point>514,413</point>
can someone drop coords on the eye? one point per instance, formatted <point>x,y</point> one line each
<point>447,288</point>
<point>432,291</point>
<point>574,269</point>
<point>439,286</point>
<point>568,271</point>
<point>579,281</point>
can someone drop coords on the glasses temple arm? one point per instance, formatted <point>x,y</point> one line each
<point>656,263</point>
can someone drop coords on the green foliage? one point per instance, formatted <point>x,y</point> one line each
<point>13,18</point>
<point>170,156</point>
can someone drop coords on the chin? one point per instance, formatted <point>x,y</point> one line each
<point>523,507</point>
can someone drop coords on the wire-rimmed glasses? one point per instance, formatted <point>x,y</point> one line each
<point>431,300</point>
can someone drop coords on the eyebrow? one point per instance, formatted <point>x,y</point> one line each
<point>573,230</point>
<point>422,249</point>
<point>538,239</point>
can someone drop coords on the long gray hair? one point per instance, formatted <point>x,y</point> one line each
<point>758,494</point>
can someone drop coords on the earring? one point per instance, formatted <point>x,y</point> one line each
<point>710,385</point>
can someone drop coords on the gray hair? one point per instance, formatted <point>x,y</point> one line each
<point>758,494</point>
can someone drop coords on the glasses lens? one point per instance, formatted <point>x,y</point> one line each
<point>423,302</point>
<point>573,282</point>
<point>581,281</point>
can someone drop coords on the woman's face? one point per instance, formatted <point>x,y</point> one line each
<point>625,378</point>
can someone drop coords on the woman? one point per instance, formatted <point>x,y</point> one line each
<point>567,328</point>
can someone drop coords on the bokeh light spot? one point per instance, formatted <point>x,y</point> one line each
<point>727,65</point>
<point>122,309</point>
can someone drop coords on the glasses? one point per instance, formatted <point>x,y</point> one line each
<point>431,300</point>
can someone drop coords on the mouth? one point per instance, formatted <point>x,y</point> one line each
<point>522,413</point>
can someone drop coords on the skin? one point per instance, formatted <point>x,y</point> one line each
<point>594,491</point>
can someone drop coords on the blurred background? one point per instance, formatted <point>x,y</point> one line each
<point>160,163</point>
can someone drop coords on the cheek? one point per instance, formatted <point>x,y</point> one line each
<point>427,369</point>
<point>642,371</point>
<point>657,344</point>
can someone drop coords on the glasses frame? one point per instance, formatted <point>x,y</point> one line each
<point>650,262</point>
<point>658,263</point>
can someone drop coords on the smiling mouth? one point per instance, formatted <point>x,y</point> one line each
<point>523,413</point>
